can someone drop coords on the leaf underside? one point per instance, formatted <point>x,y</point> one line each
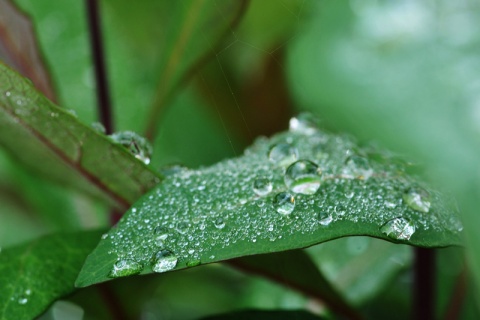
<point>53,142</point>
<point>214,214</point>
<point>34,275</point>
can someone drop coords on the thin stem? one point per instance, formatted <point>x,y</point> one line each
<point>111,302</point>
<point>424,284</point>
<point>103,92</point>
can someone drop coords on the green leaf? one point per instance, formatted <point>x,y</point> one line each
<point>295,269</point>
<point>243,206</point>
<point>189,32</point>
<point>265,315</point>
<point>54,143</point>
<point>35,274</point>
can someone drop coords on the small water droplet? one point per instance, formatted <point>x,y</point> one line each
<point>283,154</point>
<point>357,167</point>
<point>219,223</point>
<point>22,300</point>
<point>97,126</point>
<point>262,186</point>
<point>164,260</point>
<point>418,199</point>
<point>161,234</point>
<point>398,228</point>
<point>284,203</point>
<point>324,218</point>
<point>182,227</point>
<point>125,267</point>
<point>193,263</point>
<point>304,123</point>
<point>136,144</point>
<point>303,177</point>
<point>104,236</point>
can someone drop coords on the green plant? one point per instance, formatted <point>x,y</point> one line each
<point>195,77</point>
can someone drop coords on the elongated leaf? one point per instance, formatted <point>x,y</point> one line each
<point>265,315</point>
<point>189,32</point>
<point>53,142</point>
<point>243,206</point>
<point>296,269</point>
<point>34,275</point>
<point>19,49</point>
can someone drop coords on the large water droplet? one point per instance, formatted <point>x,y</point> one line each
<point>125,267</point>
<point>324,218</point>
<point>164,260</point>
<point>284,203</point>
<point>137,145</point>
<point>418,199</point>
<point>303,177</point>
<point>219,223</point>
<point>398,228</point>
<point>97,126</point>
<point>357,167</point>
<point>304,123</point>
<point>262,186</point>
<point>283,154</point>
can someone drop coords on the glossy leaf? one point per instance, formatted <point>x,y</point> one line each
<point>265,315</point>
<point>243,206</point>
<point>53,142</point>
<point>35,274</point>
<point>19,48</point>
<point>296,269</point>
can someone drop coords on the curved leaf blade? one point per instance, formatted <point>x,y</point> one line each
<point>35,274</point>
<point>213,214</point>
<point>19,48</point>
<point>54,143</point>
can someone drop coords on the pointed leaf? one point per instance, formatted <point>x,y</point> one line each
<point>265,315</point>
<point>296,269</point>
<point>243,206</point>
<point>53,142</point>
<point>19,48</point>
<point>35,274</point>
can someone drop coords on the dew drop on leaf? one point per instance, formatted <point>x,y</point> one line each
<point>284,203</point>
<point>22,300</point>
<point>97,126</point>
<point>417,199</point>
<point>125,267</point>
<point>398,228</point>
<point>137,145</point>
<point>163,261</point>
<point>304,123</point>
<point>262,186</point>
<point>282,154</point>
<point>357,167</point>
<point>193,263</point>
<point>219,223</point>
<point>161,234</point>
<point>182,227</point>
<point>303,177</point>
<point>324,218</point>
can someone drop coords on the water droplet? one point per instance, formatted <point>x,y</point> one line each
<point>324,218</point>
<point>284,203</point>
<point>22,300</point>
<point>193,263</point>
<point>97,126</point>
<point>418,199</point>
<point>104,236</point>
<point>303,177</point>
<point>357,167</point>
<point>219,223</point>
<point>137,145</point>
<point>125,267</point>
<point>164,260</point>
<point>182,227</point>
<point>262,186</point>
<point>283,154</point>
<point>161,234</point>
<point>170,170</point>
<point>398,228</point>
<point>304,123</point>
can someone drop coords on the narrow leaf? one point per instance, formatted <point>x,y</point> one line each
<point>34,275</point>
<point>294,190</point>
<point>295,269</point>
<point>53,142</point>
<point>19,47</point>
<point>265,315</point>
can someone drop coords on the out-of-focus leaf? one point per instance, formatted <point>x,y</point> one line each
<point>254,204</point>
<point>188,33</point>
<point>265,315</point>
<point>296,269</point>
<point>360,267</point>
<point>34,275</point>
<point>19,48</point>
<point>53,142</point>
<point>406,74</point>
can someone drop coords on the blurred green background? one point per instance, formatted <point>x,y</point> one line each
<point>403,74</point>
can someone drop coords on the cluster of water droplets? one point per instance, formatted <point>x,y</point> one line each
<point>297,184</point>
<point>22,297</point>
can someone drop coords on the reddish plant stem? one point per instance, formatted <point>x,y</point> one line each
<point>424,285</point>
<point>459,293</point>
<point>101,79</point>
